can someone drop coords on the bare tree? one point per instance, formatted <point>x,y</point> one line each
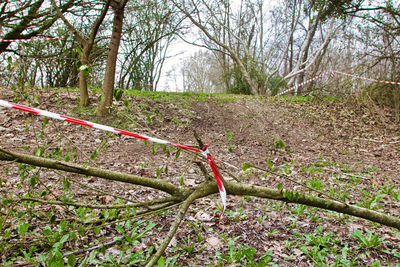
<point>210,23</point>
<point>109,76</point>
<point>26,19</point>
<point>149,30</point>
<point>87,44</point>
<point>300,47</point>
<point>202,73</point>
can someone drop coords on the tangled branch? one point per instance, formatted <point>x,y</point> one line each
<point>185,197</point>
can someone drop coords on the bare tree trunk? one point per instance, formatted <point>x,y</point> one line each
<point>264,88</point>
<point>303,56</point>
<point>320,55</point>
<point>228,48</point>
<point>290,45</point>
<point>225,62</point>
<point>109,76</point>
<point>287,58</point>
<point>87,46</point>
<point>316,58</point>
<point>83,77</point>
<point>206,188</point>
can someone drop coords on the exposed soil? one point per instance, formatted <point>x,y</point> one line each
<point>332,141</point>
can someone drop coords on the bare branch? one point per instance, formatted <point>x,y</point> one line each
<point>207,188</point>
<point>91,171</point>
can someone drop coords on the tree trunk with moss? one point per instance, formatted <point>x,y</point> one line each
<point>185,197</point>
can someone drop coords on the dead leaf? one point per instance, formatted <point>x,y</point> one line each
<point>105,199</point>
<point>92,180</point>
<point>204,216</point>
<point>215,242</point>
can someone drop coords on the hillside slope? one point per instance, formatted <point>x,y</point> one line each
<point>347,149</point>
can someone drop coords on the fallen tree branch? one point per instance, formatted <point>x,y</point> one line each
<point>93,206</point>
<point>208,188</point>
<point>174,227</point>
<point>91,171</point>
<point>296,197</point>
<point>186,196</point>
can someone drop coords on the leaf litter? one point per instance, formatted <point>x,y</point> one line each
<point>334,143</point>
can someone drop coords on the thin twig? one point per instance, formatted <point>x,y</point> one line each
<point>102,245</point>
<point>376,141</point>
<point>84,205</point>
<point>172,230</point>
<point>230,165</point>
<point>203,170</point>
<point>230,174</point>
<point>358,176</point>
<point>96,189</point>
<point>300,184</point>
<point>7,163</point>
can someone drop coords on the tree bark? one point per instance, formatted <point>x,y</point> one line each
<point>207,188</point>
<point>83,79</point>
<point>109,76</point>
<point>87,46</point>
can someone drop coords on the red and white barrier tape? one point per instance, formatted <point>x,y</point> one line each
<point>29,40</point>
<point>305,82</point>
<point>205,152</point>
<point>367,79</point>
<point>332,73</point>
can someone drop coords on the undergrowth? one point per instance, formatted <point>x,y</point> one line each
<point>35,230</point>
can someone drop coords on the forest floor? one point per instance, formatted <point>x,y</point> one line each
<point>347,149</point>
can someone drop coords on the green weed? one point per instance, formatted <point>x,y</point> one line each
<point>317,245</point>
<point>371,240</point>
<point>237,215</point>
<point>316,183</point>
<point>239,255</point>
<point>312,169</point>
<point>371,200</point>
<point>191,245</point>
<point>298,209</point>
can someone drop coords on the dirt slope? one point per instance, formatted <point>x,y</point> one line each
<point>329,142</point>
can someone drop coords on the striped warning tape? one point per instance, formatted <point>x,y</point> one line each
<point>332,74</point>
<point>305,82</point>
<point>364,78</point>
<point>205,152</point>
<point>29,40</point>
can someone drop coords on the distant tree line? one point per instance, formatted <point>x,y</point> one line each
<point>249,46</point>
<point>259,49</point>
